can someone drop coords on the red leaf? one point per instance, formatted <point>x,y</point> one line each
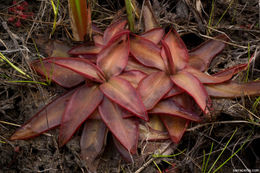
<point>193,86</point>
<point>60,75</point>
<point>92,143</point>
<point>146,52</point>
<point>124,94</point>
<point>85,50</point>
<point>232,89</point>
<point>81,105</point>
<point>113,29</point>
<point>201,56</point>
<point>176,127</point>
<point>46,119</point>
<point>125,130</point>
<point>132,64</point>
<point>208,79</point>
<point>178,49</point>
<point>153,88</point>
<point>235,69</point>
<point>113,58</point>
<point>154,35</point>
<point>134,77</point>
<point>123,151</point>
<point>80,66</point>
<point>167,56</point>
<point>173,92</point>
<point>98,40</point>
<point>171,108</point>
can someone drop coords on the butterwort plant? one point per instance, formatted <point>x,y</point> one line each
<point>124,82</point>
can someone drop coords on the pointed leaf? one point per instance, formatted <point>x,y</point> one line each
<point>113,29</point>
<point>85,50</point>
<point>153,88</point>
<point>235,69</point>
<point>80,66</point>
<point>178,49</point>
<point>124,94</point>
<point>123,151</point>
<point>173,92</point>
<point>201,56</point>
<point>176,127</point>
<point>154,35</point>
<point>98,40</point>
<point>60,75</point>
<point>92,143</point>
<point>46,119</point>
<point>134,77</point>
<point>146,52</point>
<point>81,105</point>
<point>125,130</point>
<point>132,64</point>
<point>167,56</point>
<point>208,79</point>
<point>171,108</point>
<point>194,87</point>
<point>150,21</point>
<point>232,89</point>
<point>113,58</point>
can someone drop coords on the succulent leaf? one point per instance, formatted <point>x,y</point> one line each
<point>80,106</point>
<point>80,66</point>
<point>92,142</point>
<point>178,49</point>
<point>202,55</point>
<point>154,35</point>
<point>124,130</point>
<point>171,108</point>
<point>176,127</point>
<point>194,87</point>
<point>146,52</point>
<point>113,58</point>
<point>47,118</point>
<point>124,94</point>
<point>60,75</point>
<point>233,89</point>
<point>153,88</point>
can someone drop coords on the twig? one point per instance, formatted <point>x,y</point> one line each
<point>160,151</point>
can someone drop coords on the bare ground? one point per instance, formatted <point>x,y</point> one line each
<point>19,101</point>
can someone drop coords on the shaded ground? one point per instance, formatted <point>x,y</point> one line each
<point>19,101</point>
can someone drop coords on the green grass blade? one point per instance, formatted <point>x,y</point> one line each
<point>206,165</point>
<point>14,66</point>
<point>256,103</point>
<point>173,155</point>
<point>211,16</point>
<point>157,166</point>
<point>222,151</point>
<point>204,159</point>
<point>240,148</point>
<point>27,81</point>
<point>224,12</point>
<point>55,11</point>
